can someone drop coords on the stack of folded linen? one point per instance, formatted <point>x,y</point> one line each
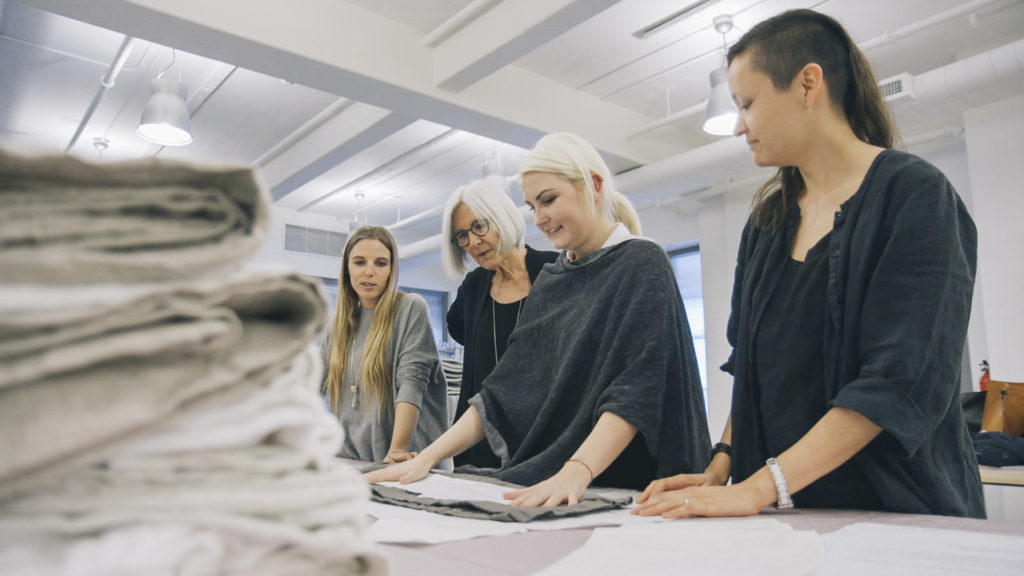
<point>159,395</point>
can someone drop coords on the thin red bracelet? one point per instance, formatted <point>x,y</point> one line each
<point>585,465</point>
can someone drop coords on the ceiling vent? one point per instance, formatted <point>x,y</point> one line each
<point>313,241</point>
<point>672,19</point>
<point>896,89</point>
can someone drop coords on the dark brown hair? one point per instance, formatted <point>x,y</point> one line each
<point>780,47</point>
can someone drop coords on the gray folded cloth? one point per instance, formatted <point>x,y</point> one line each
<point>234,427</point>
<point>90,520</point>
<point>66,221</point>
<point>111,362</point>
<point>484,510</point>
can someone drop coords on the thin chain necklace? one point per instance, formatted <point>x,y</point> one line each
<point>354,388</point>
<point>494,324</point>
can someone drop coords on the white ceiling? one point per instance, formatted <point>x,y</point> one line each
<point>333,99</point>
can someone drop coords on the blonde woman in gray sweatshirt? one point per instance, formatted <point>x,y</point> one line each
<point>382,375</point>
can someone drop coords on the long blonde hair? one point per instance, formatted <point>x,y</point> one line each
<point>374,373</point>
<point>573,158</point>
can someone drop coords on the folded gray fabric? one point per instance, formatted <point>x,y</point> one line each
<point>190,521</point>
<point>78,378</point>
<point>233,427</point>
<point>66,221</point>
<point>484,510</point>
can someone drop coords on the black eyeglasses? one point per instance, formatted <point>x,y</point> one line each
<point>478,228</point>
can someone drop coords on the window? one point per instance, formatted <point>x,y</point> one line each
<point>686,266</point>
<point>437,305</point>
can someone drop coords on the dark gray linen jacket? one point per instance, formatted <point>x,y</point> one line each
<point>902,257</point>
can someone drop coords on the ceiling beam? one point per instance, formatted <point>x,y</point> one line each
<point>339,139</point>
<point>504,34</point>
<point>343,49</point>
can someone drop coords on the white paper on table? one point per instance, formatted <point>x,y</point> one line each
<point>396,524</point>
<point>754,546</point>
<point>447,488</point>
<point>616,517</point>
<point>882,550</point>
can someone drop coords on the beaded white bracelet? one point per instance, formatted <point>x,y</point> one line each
<point>780,484</point>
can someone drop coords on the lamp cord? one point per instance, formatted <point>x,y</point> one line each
<point>174,57</point>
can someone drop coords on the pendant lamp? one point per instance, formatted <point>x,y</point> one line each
<point>165,119</point>
<point>720,117</point>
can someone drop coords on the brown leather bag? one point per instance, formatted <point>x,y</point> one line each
<point>1004,408</point>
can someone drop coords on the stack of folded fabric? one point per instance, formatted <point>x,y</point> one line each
<point>159,394</point>
<point>452,373</point>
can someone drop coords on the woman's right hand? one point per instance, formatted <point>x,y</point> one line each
<point>404,472</point>
<point>678,482</point>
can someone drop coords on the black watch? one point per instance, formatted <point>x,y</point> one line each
<point>723,448</point>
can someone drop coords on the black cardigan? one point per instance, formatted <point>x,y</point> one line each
<point>463,323</point>
<point>901,259</point>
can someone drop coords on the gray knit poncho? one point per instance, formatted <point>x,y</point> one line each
<point>604,333</point>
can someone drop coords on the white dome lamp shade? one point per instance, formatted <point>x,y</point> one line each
<point>721,112</point>
<point>165,118</point>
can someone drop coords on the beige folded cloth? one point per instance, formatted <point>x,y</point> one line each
<point>242,427</point>
<point>66,221</point>
<point>190,521</point>
<point>78,378</point>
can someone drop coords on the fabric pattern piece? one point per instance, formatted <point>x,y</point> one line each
<point>485,510</point>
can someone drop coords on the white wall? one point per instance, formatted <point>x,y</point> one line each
<point>313,264</point>
<point>994,156</point>
<point>429,276</point>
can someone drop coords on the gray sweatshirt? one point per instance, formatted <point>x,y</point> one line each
<point>415,373</point>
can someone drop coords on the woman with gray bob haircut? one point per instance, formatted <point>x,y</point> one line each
<point>489,202</point>
<point>482,223</point>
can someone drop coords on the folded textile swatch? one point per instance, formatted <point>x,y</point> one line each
<point>233,426</point>
<point>486,510</point>
<point>998,449</point>
<point>205,520</point>
<point>240,481</point>
<point>66,221</point>
<point>78,378</point>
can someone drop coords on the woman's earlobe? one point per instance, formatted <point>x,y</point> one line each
<point>598,182</point>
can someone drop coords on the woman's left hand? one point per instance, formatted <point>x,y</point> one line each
<point>396,456</point>
<point>736,500</point>
<point>567,486</point>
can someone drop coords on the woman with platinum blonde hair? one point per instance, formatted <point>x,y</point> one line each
<point>599,383</point>
<point>482,223</point>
